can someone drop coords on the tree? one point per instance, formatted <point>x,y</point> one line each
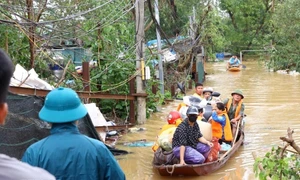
<point>285,36</point>
<point>248,25</point>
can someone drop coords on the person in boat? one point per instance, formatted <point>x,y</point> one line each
<point>233,62</point>
<point>220,123</point>
<point>187,101</point>
<point>188,143</point>
<point>207,96</point>
<point>174,119</point>
<point>11,168</point>
<point>66,153</point>
<point>235,108</point>
<point>198,90</point>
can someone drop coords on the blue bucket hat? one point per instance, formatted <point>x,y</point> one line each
<point>62,105</point>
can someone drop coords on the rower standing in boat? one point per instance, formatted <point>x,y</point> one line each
<point>235,108</point>
<point>188,143</point>
<point>233,61</point>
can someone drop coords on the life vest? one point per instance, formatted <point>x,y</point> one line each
<point>217,129</point>
<point>167,126</point>
<point>237,109</point>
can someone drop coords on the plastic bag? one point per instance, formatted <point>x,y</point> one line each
<point>165,139</point>
<point>162,157</point>
<point>214,151</point>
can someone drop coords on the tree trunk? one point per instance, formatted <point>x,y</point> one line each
<point>31,36</point>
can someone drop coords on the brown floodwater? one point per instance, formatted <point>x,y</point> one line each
<point>271,102</point>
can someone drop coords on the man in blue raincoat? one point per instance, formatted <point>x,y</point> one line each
<point>66,153</point>
<point>233,61</point>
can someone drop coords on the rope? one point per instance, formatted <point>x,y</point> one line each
<point>172,169</point>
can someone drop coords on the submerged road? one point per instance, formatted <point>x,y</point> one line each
<point>271,101</point>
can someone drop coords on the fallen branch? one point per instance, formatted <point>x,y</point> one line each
<point>289,150</point>
<point>290,140</point>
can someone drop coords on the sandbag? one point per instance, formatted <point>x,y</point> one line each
<point>165,139</point>
<point>205,129</point>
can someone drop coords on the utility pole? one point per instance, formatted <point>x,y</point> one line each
<point>160,63</point>
<point>140,35</point>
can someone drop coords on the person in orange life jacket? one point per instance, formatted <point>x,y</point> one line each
<point>174,119</point>
<point>235,108</point>
<point>188,143</point>
<point>220,123</point>
<point>199,90</point>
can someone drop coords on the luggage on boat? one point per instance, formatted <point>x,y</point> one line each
<point>165,139</point>
<point>205,129</point>
<point>162,157</point>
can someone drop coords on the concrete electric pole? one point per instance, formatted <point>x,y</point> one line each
<point>160,62</point>
<point>140,35</point>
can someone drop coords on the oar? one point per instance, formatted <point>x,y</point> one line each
<point>243,66</point>
<point>237,131</point>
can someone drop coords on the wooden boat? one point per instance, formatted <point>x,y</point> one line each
<point>234,68</point>
<point>206,168</point>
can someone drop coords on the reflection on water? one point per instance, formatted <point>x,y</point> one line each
<point>271,101</point>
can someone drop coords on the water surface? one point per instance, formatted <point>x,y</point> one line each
<point>271,100</point>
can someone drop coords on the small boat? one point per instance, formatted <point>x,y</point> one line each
<point>234,68</point>
<point>205,168</point>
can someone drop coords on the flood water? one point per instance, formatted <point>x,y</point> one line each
<point>271,105</point>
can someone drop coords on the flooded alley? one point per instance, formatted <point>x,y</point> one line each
<point>271,101</point>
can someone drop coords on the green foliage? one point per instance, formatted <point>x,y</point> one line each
<point>286,36</point>
<point>167,95</point>
<point>248,24</point>
<point>277,167</point>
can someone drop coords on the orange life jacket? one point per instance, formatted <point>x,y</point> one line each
<point>217,130</point>
<point>237,109</point>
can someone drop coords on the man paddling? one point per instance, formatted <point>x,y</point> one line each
<point>233,61</point>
